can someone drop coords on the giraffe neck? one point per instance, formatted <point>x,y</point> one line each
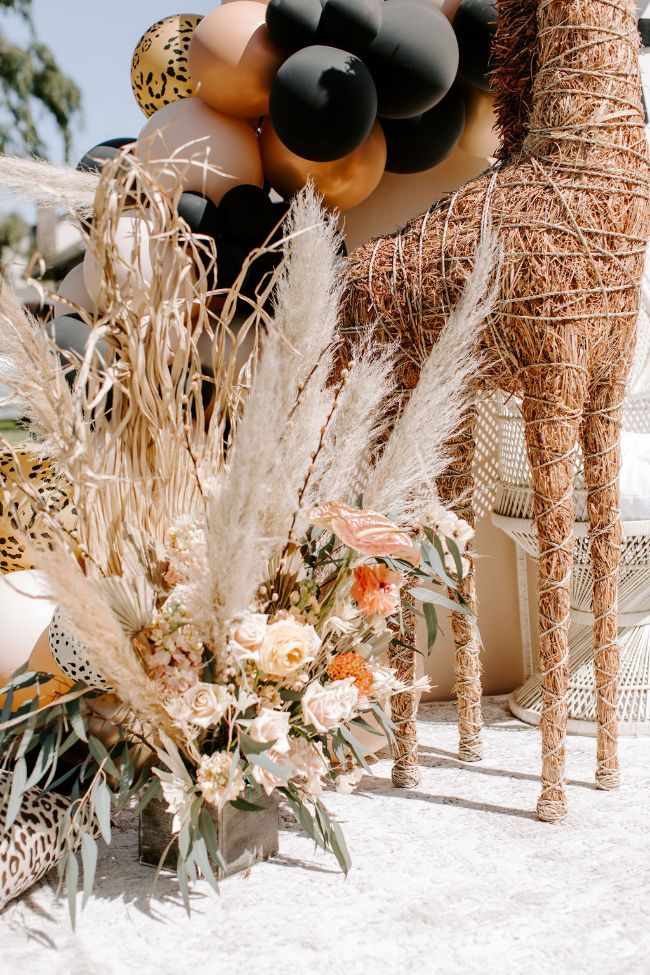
<point>586,92</point>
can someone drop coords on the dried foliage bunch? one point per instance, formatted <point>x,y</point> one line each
<point>570,200</point>
<point>225,578</point>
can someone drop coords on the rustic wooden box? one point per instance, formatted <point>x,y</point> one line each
<point>244,838</point>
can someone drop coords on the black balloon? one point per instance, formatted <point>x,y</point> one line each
<point>413,60</point>
<point>323,103</point>
<point>292,24</point>
<point>475,26</point>
<point>246,214</point>
<point>418,143</point>
<point>97,157</point>
<point>350,24</point>
<point>199,213</point>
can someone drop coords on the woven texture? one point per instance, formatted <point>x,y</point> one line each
<point>569,200</point>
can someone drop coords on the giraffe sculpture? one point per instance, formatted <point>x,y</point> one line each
<point>569,200</point>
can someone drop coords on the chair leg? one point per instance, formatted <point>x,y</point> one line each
<point>601,448</point>
<point>405,774</point>
<point>455,490</point>
<point>551,434</point>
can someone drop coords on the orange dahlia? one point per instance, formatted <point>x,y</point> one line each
<point>352,664</point>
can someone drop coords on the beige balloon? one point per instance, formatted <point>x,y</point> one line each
<point>25,611</point>
<point>188,147</point>
<point>132,267</point>
<point>479,137</point>
<point>233,61</point>
<point>73,287</point>
<point>343,182</point>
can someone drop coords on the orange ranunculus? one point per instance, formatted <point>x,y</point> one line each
<point>367,532</point>
<point>351,664</point>
<point>376,589</point>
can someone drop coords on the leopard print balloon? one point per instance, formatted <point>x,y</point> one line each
<point>160,66</point>
<point>18,516</point>
<point>30,847</point>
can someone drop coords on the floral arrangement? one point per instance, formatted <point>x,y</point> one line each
<point>237,571</point>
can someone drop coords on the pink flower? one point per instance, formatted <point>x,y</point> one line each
<point>367,532</point>
<point>376,590</point>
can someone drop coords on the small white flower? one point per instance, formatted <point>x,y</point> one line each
<point>348,781</point>
<point>216,780</point>
<point>177,795</point>
<point>439,519</point>
<point>461,533</point>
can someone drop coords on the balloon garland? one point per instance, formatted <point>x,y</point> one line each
<point>247,103</point>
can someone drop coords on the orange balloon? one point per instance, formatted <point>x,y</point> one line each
<point>233,60</point>
<point>40,659</point>
<point>479,136</point>
<point>343,182</point>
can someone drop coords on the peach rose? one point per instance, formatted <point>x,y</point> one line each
<point>273,726</point>
<point>288,647</point>
<point>328,706</point>
<point>365,531</point>
<point>376,590</point>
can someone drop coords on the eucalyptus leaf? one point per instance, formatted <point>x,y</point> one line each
<point>340,848</point>
<point>102,804</point>
<point>89,862</point>
<point>153,791</point>
<point>432,624</point>
<point>18,782</point>
<point>455,554</point>
<point>71,884</point>
<point>181,876</point>
<point>251,747</point>
<point>101,756</point>
<point>431,596</point>
<point>356,746</point>
<point>281,772</point>
<point>245,806</point>
<point>203,862</point>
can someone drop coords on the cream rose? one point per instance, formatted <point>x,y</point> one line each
<point>267,779</point>
<point>246,633</point>
<point>272,726</point>
<point>287,648</point>
<point>207,704</point>
<point>327,707</point>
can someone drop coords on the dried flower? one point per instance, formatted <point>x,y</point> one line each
<point>347,782</point>
<point>352,665</point>
<point>288,648</point>
<point>328,706</point>
<point>216,779</point>
<point>177,795</point>
<point>367,532</point>
<point>376,589</point>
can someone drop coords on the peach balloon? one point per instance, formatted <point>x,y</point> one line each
<point>233,60</point>
<point>479,137</point>
<point>73,287</point>
<point>343,182</point>
<point>189,147</point>
<point>40,660</point>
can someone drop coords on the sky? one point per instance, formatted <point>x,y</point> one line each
<point>93,43</point>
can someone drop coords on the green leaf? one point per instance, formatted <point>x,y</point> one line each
<point>153,791</point>
<point>245,806</point>
<point>18,781</point>
<point>203,862</point>
<point>435,557</point>
<point>98,751</point>
<point>431,596</point>
<point>281,772</point>
<point>340,848</point>
<point>288,695</point>
<point>432,625</point>
<point>71,883</point>
<point>251,747</point>
<point>455,553</point>
<point>384,720</point>
<point>184,841</point>
<point>181,876</point>
<point>209,834</point>
<point>89,861</point>
<point>77,722</point>
<point>45,758</point>
<point>357,747</point>
<point>102,804</point>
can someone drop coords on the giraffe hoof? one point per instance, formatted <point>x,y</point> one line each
<point>405,778</point>
<point>607,780</point>
<point>551,810</point>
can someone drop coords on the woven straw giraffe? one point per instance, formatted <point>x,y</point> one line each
<point>569,199</point>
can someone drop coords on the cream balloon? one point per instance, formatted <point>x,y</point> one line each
<point>73,287</point>
<point>188,147</point>
<point>480,137</point>
<point>132,267</point>
<point>25,611</point>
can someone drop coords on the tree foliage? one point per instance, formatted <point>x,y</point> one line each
<point>30,82</point>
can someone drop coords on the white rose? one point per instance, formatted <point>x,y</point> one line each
<point>207,704</point>
<point>439,519</point>
<point>384,684</point>
<point>327,707</point>
<point>287,648</point>
<point>272,726</point>
<point>461,533</point>
<point>246,632</point>
<point>450,565</point>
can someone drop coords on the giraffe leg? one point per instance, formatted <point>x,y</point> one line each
<point>601,448</point>
<point>552,422</point>
<point>455,489</point>
<point>404,705</point>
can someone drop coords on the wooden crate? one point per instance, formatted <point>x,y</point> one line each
<point>244,838</point>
